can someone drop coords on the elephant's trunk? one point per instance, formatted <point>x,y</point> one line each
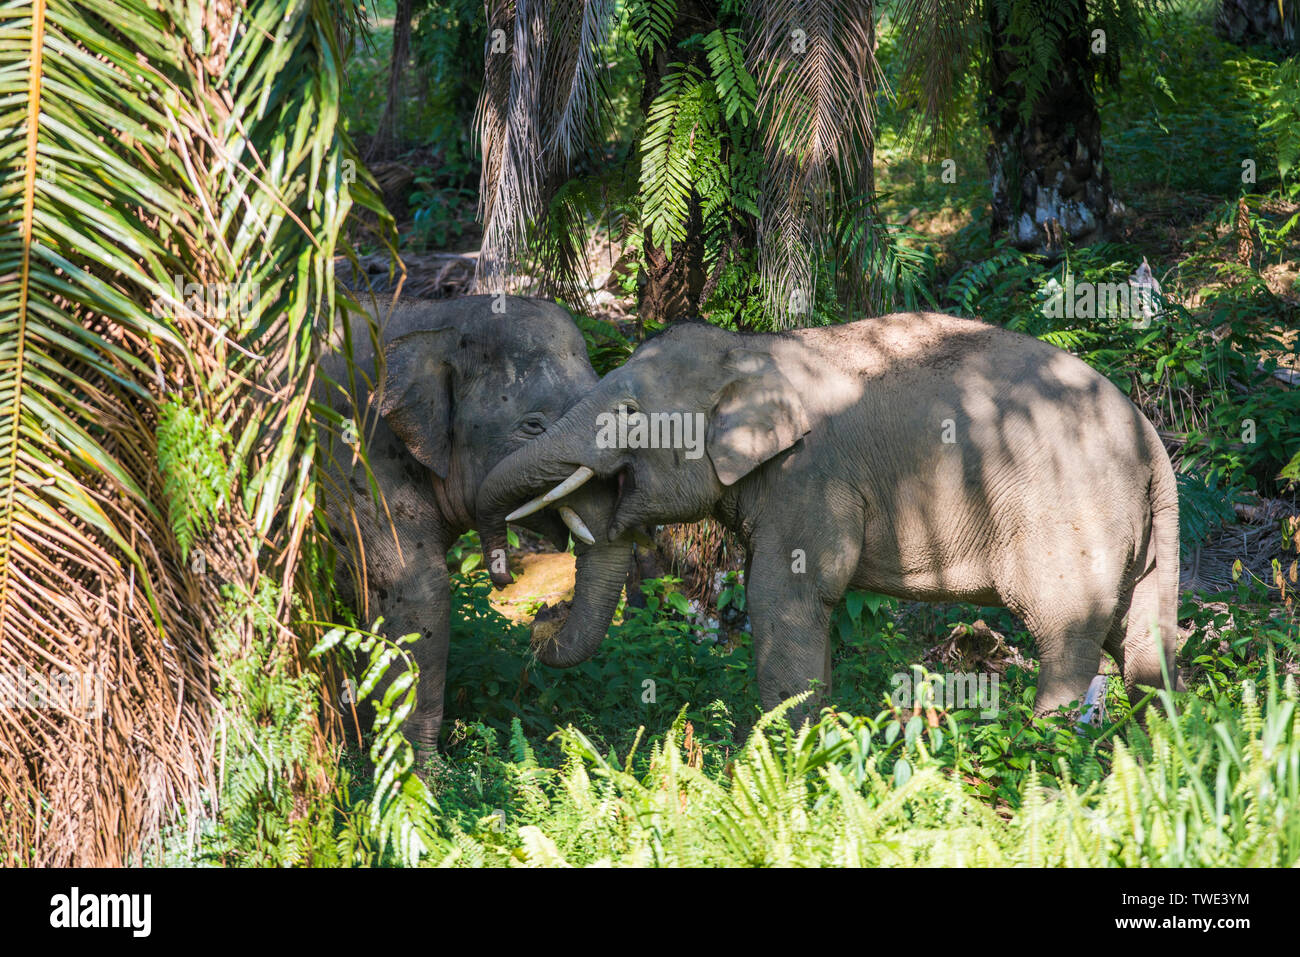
<point>530,469</point>
<point>561,640</point>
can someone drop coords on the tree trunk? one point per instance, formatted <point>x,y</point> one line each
<point>1049,182</point>
<point>672,287</point>
<point>388,136</point>
<point>1260,21</point>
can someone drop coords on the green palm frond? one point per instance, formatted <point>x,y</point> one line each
<point>938,38</point>
<point>173,185</point>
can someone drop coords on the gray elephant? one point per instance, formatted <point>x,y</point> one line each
<point>467,382</point>
<point>918,455</point>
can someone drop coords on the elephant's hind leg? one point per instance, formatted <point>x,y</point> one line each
<point>1140,659</point>
<point>1071,615</point>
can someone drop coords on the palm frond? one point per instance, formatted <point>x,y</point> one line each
<point>536,113</point>
<point>170,204</point>
<point>938,38</point>
<point>817,78</point>
<point>580,31</point>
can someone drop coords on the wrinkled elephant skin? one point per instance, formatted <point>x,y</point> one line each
<point>465,383</point>
<point>918,455</point>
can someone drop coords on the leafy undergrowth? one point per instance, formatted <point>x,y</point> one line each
<point>582,767</point>
<point>1216,785</point>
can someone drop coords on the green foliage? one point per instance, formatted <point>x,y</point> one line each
<point>1187,111</point>
<point>448,35</point>
<point>694,147</point>
<point>1210,786</point>
<point>607,348</point>
<point>440,214</point>
<point>1203,509</point>
<point>399,821</point>
<point>1235,640</point>
<point>1284,123</point>
<point>265,741</point>
<point>494,680</point>
<point>650,23</point>
<point>736,89</point>
<point>191,460</point>
<point>737,300</point>
<point>282,802</point>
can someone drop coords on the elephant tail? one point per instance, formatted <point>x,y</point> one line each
<point>1164,533</point>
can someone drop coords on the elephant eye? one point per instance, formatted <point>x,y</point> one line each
<point>533,425</point>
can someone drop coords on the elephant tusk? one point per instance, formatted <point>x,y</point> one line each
<point>580,531</point>
<point>579,477</point>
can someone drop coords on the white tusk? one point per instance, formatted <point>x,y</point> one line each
<point>580,531</point>
<point>579,477</point>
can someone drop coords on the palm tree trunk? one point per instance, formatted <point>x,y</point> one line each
<point>1260,21</point>
<point>388,136</point>
<point>673,285</point>
<point>1049,182</point>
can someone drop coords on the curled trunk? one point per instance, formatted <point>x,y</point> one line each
<point>562,636</point>
<point>569,634</point>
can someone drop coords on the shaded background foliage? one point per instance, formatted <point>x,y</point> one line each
<point>645,160</point>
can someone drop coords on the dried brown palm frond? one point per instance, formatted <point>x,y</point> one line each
<point>696,554</point>
<point>579,31</point>
<point>536,113</point>
<point>938,39</point>
<point>146,170</point>
<point>817,78</point>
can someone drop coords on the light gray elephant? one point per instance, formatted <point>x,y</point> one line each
<point>918,455</point>
<point>467,382</point>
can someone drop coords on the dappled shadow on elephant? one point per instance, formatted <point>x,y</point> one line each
<point>918,455</point>
<point>440,392</point>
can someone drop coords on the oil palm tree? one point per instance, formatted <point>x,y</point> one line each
<point>797,81</point>
<point>1275,22</point>
<point>797,91</point>
<point>172,189</point>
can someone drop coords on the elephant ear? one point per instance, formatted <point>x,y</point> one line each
<point>757,415</point>
<point>416,397</point>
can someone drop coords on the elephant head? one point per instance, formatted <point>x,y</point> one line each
<point>465,383</point>
<point>686,418</point>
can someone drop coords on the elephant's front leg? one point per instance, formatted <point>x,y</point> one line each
<point>796,579</point>
<point>430,653</point>
<point>417,600</point>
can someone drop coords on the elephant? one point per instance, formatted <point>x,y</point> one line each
<point>465,382</point>
<point>918,455</point>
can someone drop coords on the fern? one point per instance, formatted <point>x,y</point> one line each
<point>650,24</point>
<point>969,285</point>
<point>401,817</point>
<point>191,460</point>
<point>681,145</point>
<point>736,89</point>
<point>1204,786</point>
<point>1284,123</point>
